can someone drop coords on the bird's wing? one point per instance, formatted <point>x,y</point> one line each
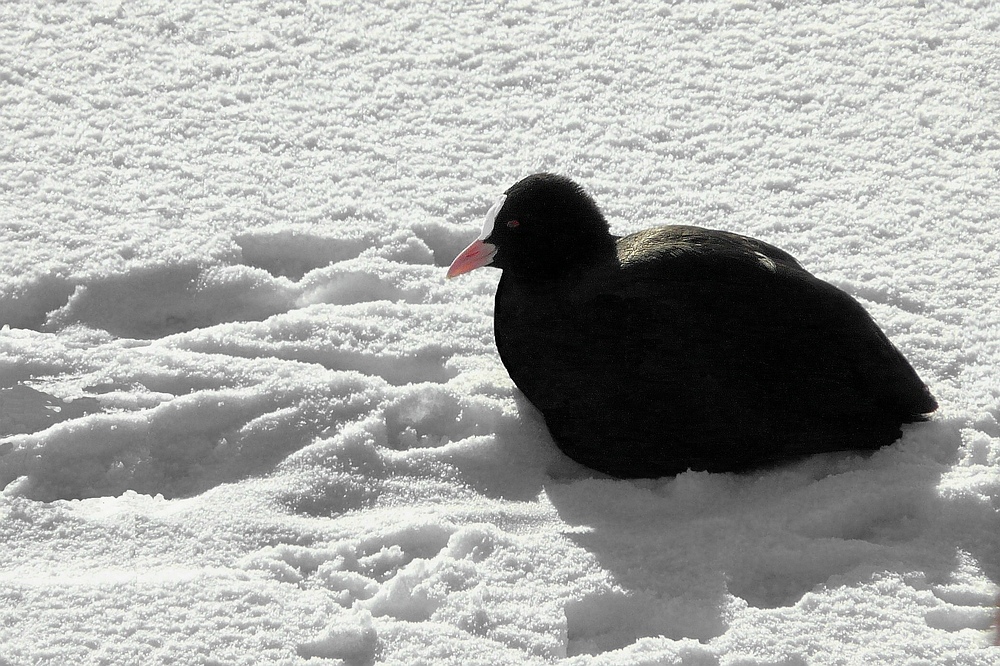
<point>747,314</point>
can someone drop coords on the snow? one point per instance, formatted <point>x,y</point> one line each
<point>244,419</point>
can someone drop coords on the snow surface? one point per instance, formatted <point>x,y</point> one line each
<point>290,440</point>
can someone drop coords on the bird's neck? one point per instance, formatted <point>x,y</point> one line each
<point>560,267</point>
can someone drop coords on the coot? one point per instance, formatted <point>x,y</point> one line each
<point>678,347</point>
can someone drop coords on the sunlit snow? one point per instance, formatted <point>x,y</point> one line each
<point>244,419</point>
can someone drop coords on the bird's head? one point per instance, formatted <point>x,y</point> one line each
<point>542,227</point>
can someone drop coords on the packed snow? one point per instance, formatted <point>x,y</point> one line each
<point>244,419</point>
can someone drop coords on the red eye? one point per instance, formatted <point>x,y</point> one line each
<point>513,224</point>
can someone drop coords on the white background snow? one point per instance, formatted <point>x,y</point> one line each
<point>224,232</point>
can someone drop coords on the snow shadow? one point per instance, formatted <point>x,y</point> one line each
<point>274,272</point>
<point>425,442</point>
<point>358,435</point>
<point>152,302</point>
<point>241,369</point>
<point>395,370</point>
<point>291,253</point>
<point>446,241</point>
<point>398,343</point>
<point>687,550</point>
<point>184,445</point>
<point>24,409</point>
<point>29,303</point>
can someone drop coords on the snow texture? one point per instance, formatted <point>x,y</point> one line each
<point>244,419</point>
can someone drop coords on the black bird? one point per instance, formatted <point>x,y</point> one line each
<point>678,347</point>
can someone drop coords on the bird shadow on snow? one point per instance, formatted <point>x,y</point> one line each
<point>690,551</point>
